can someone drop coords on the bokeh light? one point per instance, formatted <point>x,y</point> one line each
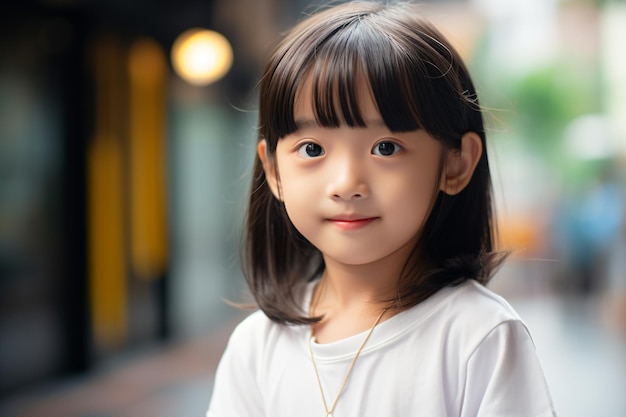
<point>201,56</point>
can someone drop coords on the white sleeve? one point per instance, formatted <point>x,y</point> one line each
<point>504,377</point>
<point>235,390</point>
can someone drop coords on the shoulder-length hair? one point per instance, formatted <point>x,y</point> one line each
<point>418,81</point>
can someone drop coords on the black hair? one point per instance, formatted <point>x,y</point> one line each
<point>418,81</point>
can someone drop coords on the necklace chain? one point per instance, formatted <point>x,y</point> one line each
<point>329,411</point>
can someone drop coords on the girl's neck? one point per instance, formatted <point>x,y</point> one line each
<point>355,288</point>
<point>351,297</point>
<point>368,285</point>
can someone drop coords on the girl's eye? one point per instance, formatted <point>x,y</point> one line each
<point>311,150</point>
<point>386,149</point>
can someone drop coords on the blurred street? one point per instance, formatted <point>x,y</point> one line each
<point>583,357</point>
<point>165,381</point>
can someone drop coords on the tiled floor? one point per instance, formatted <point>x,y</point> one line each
<point>583,354</point>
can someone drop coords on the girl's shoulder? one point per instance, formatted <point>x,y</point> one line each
<point>472,305</point>
<point>259,333</point>
<point>262,332</point>
<point>256,326</point>
<point>475,300</point>
<point>471,312</point>
<point>469,301</point>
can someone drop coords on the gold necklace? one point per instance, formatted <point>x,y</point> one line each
<point>329,411</point>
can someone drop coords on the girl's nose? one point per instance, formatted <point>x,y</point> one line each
<point>348,181</point>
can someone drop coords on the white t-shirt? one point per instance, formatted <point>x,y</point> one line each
<point>462,352</point>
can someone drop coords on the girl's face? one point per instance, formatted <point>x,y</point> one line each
<point>359,195</point>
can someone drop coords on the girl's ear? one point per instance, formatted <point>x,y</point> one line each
<point>269,167</point>
<point>460,164</point>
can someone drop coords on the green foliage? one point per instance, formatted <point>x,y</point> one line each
<point>546,100</point>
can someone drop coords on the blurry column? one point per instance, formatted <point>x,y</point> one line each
<point>147,159</point>
<point>107,263</point>
<point>147,163</point>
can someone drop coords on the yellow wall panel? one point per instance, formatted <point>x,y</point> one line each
<point>148,213</point>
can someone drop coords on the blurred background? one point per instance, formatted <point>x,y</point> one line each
<point>126,141</point>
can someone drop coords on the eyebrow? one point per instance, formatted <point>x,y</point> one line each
<point>306,123</point>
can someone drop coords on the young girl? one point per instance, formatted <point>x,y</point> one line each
<point>370,235</point>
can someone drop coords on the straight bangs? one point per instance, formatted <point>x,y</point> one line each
<point>360,61</point>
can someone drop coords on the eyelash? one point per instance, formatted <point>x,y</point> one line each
<point>302,150</point>
<point>397,148</point>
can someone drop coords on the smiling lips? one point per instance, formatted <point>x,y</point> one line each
<point>350,223</point>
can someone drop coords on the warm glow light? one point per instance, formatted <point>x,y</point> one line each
<point>201,56</point>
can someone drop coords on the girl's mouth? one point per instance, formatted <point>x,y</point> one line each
<point>352,224</point>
